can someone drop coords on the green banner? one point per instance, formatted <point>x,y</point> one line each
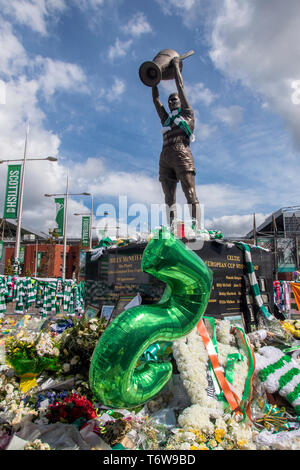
<point>38,261</point>
<point>60,204</point>
<point>85,231</point>
<point>22,254</point>
<point>12,192</point>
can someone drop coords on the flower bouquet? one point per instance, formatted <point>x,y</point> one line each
<point>74,409</point>
<point>293,326</point>
<point>31,353</point>
<point>77,344</point>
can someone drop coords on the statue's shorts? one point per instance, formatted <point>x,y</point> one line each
<point>175,161</point>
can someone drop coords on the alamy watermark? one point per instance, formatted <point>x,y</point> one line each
<point>128,220</point>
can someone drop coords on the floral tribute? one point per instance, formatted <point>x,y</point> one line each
<point>77,344</point>
<point>208,423</point>
<point>31,352</point>
<point>71,409</point>
<point>191,412</point>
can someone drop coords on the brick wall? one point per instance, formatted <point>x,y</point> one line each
<point>51,261</point>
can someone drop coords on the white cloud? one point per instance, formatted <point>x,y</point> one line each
<point>33,13</point>
<point>137,26</point>
<point>231,116</point>
<point>234,225</point>
<point>192,12</point>
<point>109,95</point>
<point>256,41</point>
<point>119,49</point>
<point>203,131</point>
<point>199,93</point>
<point>170,6</point>
<point>13,56</point>
<point>57,75</point>
<point>104,180</point>
<point>196,93</point>
<point>85,4</point>
<point>117,90</point>
<point>24,80</point>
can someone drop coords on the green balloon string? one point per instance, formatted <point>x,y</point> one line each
<point>114,378</point>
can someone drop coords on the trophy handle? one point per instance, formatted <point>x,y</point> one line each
<point>187,54</point>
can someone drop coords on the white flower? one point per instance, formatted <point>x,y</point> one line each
<point>9,389</point>
<point>74,360</point>
<point>196,417</point>
<point>66,367</point>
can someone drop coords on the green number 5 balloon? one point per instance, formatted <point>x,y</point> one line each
<point>114,378</point>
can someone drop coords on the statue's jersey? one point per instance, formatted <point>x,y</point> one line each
<point>176,157</point>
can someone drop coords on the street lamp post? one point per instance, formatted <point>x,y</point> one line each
<point>20,207</point>
<point>66,195</point>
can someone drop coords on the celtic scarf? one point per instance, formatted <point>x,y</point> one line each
<point>3,294</point>
<point>279,372</point>
<point>30,293</point>
<point>19,295</point>
<point>253,281</point>
<point>176,118</point>
<point>67,288</point>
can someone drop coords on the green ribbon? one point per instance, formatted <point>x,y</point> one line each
<point>151,353</point>
<point>276,418</point>
<point>293,348</point>
<point>219,393</point>
<point>251,366</point>
<point>231,360</point>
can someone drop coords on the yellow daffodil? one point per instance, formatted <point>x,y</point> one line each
<point>219,434</point>
<point>241,443</point>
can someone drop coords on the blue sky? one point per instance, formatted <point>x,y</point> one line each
<point>70,68</point>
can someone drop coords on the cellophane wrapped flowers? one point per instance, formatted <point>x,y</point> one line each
<point>77,344</point>
<point>29,352</point>
<point>70,409</point>
<point>13,410</point>
<point>37,444</point>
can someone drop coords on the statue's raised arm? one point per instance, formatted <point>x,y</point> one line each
<point>158,104</point>
<point>179,83</point>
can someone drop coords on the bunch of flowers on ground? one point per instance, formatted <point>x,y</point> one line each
<point>25,345</point>
<point>71,409</point>
<point>77,344</point>
<point>37,444</point>
<point>14,411</point>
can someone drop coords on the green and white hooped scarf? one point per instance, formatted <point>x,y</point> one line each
<point>253,281</point>
<point>174,116</point>
<point>279,373</point>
